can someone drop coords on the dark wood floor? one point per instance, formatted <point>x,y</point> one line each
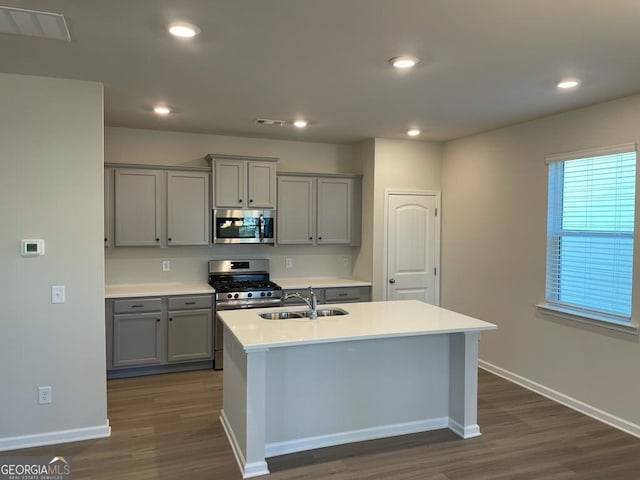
<point>167,427</point>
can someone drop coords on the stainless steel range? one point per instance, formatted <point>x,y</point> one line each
<point>240,284</point>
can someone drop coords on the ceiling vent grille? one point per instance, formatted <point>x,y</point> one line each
<point>33,23</point>
<point>269,121</point>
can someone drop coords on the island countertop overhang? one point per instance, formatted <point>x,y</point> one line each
<point>366,320</point>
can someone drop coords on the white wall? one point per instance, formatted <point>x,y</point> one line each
<point>51,176</point>
<point>493,256</point>
<point>134,265</point>
<point>399,165</point>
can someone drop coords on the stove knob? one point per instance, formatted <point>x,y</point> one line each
<point>262,294</point>
<point>229,295</point>
<point>249,294</point>
<point>268,294</point>
<point>235,296</point>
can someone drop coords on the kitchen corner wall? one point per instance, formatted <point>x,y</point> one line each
<point>493,259</point>
<point>51,177</point>
<point>143,265</point>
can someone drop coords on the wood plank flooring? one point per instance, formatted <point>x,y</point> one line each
<point>167,427</point>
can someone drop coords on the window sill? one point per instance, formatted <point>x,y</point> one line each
<point>582,317</point>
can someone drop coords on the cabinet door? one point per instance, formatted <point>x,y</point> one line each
<point>189,336</point>
<point>137,207</point>
<point>296,210</point>
<point>187,208</point>
<point>261,184</point>
<point>108,207</point>
<point>137,340</point>
<point>230,183</point>
<point>334,212</point>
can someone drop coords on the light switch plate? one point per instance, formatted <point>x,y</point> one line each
<point>57,294</point>
<point>288,262</point>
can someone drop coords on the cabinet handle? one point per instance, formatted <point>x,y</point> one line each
<point>137,306</point>
<point>342,294</point>
<point>169,239</point>
<point>157,319</point>
<point>319,238</point>
<point>105,239</point>
<point>240,201</point>
<point>171,319</point>
<point>250,201</point>
<point>189,303</point>
<point>310,238</point>
<point>157,239</point>
<point>392,280</point>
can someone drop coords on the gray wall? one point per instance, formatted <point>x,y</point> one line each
<point>493,257</point>
<point>51,143</point>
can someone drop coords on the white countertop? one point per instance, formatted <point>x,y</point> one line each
<point>366,320</point>
<point>156,289</point>
<point>319,282</point>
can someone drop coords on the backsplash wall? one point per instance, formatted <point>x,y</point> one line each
<point>190,264</point>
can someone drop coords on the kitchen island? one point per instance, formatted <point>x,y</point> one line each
<point>384,369</point>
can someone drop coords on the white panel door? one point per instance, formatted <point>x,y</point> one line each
<point>411,248</point>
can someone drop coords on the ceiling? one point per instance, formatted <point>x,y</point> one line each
<point>483,63</point>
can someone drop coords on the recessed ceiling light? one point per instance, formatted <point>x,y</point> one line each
<point>568,83</point>
<point>162,110</point>
<point>183,29</point>
<point>300,123</point>
<point>414,132</point>
<point>404,61</point>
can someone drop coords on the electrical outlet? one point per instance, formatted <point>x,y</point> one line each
<point>44,395</point>
<point>166,265</point>
<point>288,262</point>
<point>345,262</point>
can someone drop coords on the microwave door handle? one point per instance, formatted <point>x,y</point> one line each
<point>261,228</point>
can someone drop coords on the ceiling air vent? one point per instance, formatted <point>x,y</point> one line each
<point>269,121</point>
<point>33,23</point>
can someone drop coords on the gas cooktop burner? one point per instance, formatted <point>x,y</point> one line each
<point>224,286</point>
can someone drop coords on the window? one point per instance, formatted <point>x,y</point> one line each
<point>590,225</point>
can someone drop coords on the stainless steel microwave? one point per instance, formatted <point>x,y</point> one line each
<point>244,226</point>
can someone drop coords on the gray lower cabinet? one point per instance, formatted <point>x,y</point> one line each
<point>332,295</point>
<point>158,334</point>
<point>189,335</point>
<point>137,339</point>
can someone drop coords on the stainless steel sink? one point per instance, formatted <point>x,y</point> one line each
<point>330,312</point>
<point>282,315</point>
<point>322,312</point>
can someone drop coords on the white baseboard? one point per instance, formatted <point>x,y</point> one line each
<point>248,470</point>
<point>298,445</point>
<point>469,431</point>
<point>567,401</point>
<point>52,438</point>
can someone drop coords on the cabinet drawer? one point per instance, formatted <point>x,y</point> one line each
<point>187,303</point>
<point>341,294</point>
<point>137,305</point>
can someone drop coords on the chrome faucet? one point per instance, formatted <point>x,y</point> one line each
<point>312,302</point>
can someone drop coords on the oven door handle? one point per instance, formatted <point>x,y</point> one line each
<point>261,227</point>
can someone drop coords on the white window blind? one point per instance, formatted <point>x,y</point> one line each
<point>590,227</point>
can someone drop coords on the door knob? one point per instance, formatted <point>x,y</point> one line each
<point>392,280</point>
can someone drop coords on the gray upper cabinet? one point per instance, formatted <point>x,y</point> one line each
<point>230,183</point>
<point>187,208</point>
<point>261,181</point>
<point>335,211</point>
<point>153,207</point>
<point>243,182</point>
<point>138,204</point>
<point>296,210</point>
<point>108,207</point>
<point>319,210</point>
